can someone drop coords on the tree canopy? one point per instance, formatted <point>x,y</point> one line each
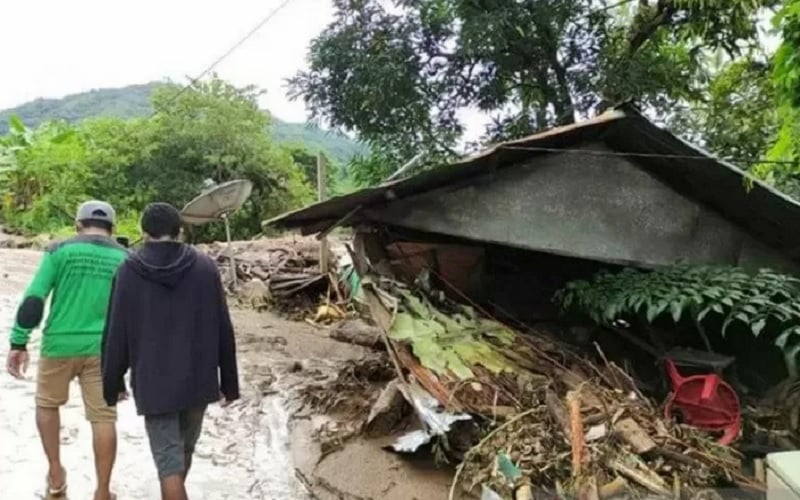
<point>134,101</point>
<point>211,130</point>
<point>399,73</point>
<point>784,169</point>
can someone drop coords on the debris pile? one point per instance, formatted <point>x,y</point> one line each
<point>18,241</point>
<point>774,421</point>
<point>347,398</point>
<point>567,423</point>
<point>278,272</point>
<point>353,388</point>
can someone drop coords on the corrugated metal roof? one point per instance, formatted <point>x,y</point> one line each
<point>764,212</point>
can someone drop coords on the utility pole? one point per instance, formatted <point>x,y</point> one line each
<point>322,195</point>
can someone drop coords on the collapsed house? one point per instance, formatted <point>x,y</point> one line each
<point>510,225</point>
<point>505,229</point>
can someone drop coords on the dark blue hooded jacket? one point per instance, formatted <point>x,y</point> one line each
<point>168,322</point>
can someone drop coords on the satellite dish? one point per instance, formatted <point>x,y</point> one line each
<point>217,204</point>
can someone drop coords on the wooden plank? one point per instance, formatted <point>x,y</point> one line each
<point>630,432</point>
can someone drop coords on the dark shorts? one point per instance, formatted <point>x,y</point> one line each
<point>172,439</point>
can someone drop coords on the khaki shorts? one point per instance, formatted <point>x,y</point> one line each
<point>55,375</point>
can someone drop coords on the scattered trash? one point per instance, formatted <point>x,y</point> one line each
<point>435,421</point>
<point>705,402</point>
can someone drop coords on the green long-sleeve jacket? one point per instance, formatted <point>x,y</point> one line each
<point>78,272</point>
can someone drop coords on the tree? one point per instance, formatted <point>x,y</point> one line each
<point>211,130</point>
<point>398,73</point>
<point>784,170</point>
<point>18,138</point>
<point>46,175</point>
<point>115,148</point>
<point>216,131</point>
<point>736,117</point>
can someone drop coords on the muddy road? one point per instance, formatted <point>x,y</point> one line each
<point>244,451</point>
<point>251,450</point>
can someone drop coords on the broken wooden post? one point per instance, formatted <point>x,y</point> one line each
<point>576,431</point>
<point>322,195</point>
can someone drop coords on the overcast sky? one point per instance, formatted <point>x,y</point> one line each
<point>52,48</point>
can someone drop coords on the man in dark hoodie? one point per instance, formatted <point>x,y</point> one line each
<point>169,323</point>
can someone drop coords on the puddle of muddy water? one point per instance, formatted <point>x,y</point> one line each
<point>243,452</point>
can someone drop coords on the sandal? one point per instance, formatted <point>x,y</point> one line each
<point>59,492</point>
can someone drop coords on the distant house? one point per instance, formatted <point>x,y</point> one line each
<point>615,189</point>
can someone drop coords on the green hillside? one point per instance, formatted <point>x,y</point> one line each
<point>134,101</point>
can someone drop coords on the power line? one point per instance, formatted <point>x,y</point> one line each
<point>231,50</point>
<point>610,7</point>
<point>601,152</point>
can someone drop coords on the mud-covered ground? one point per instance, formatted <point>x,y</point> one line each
<point>256,449</point>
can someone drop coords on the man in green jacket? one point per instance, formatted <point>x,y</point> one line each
<point>79,273</point>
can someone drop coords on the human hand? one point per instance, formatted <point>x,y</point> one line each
<point>123,395</point>
<point>17,363</point>
<point>223,401</point>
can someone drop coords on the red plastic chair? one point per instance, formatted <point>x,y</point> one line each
<point>704,401</point>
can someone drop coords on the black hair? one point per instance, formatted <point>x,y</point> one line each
<point>97,224</point>
<point>160,220</point>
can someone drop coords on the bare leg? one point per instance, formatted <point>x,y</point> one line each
<point>172,488</point>
<point>104,440</point>
<point>48,421</point>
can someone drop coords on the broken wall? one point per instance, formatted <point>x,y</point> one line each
<point>459,266</point>
<point>513,283</point>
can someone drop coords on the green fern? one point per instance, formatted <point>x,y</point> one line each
<point>694,293</point>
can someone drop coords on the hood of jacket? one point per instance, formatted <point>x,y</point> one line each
<point>163,262</point>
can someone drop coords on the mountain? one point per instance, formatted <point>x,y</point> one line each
<point>134,101</point>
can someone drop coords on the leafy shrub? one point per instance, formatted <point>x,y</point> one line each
<point>127,225</point>
<point>764,301</point>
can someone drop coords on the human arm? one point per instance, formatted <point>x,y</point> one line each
<point>31,310</point>
<point>228,369</point>
<point>114,356</point>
